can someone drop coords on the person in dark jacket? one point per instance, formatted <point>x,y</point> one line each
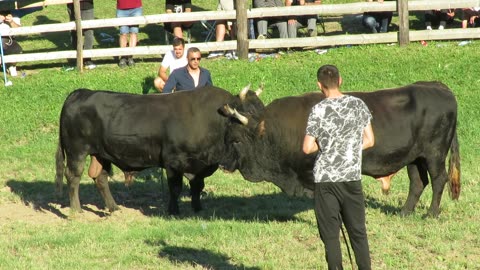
<point>189,77</point>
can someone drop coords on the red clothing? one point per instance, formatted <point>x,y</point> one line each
<point>128,4</point>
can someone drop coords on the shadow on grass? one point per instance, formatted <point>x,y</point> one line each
<point>387,209</point>
<point>196,257</point>
<point>148,85</point>
<point>150,197</point>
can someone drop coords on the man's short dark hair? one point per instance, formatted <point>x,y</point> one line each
<point>192,50</point>
<point>178,41</point>
<point>328,76</point>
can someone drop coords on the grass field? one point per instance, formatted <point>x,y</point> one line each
<point>244,225</point>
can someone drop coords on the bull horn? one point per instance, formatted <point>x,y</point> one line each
<point>244,91</point>
<point>233,112</point>
<point>260,89</point>
<point>229,110</point>
<point>243,119</point>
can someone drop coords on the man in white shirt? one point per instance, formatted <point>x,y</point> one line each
<point>172,60</point>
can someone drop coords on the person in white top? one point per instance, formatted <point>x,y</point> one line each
<point>10,45</point>
<point>172,60</point>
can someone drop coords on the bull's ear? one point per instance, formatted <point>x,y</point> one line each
<point>261,128</point>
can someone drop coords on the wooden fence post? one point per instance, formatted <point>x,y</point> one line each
<point>404,28</point>
<point>242,29</point>
<point>78,23</point>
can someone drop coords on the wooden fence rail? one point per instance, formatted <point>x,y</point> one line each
<point>319,41</point>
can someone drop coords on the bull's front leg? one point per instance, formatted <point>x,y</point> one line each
<point>175,185</point>
<point>196,188</point>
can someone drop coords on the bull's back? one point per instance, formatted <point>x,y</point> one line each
<point>132,130</point>
<point>408,122</point>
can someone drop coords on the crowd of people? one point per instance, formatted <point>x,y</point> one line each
<point>287,26</point>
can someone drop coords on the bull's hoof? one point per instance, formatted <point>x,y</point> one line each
<point>113,208</point>
<point>405,213</point>
<point>432,214</point>
<point>76,210</point>
<point>197,208</point>
<point>173,210</point>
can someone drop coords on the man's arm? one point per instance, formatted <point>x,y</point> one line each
<point>170,83</point>
<point>162,73</point>
<point>309,144</point>
<point>368,137</point>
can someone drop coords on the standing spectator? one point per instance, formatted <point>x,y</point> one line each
<point>221,26</point>
<point>189,77</point>
<point>263,23</point>
<point>309,20</point>
<point>442,17</point>
<point>128,8</point>
<point>86,13</point>
<point>178,6</point>
<point>471,16</point>
<point>10,45</point>
<point>338,128</point>
<point>172,60</point>
<point>377,22</point>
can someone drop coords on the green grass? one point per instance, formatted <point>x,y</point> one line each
<point>244,225</point>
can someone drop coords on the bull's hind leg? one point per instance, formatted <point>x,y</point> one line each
<point>102,185</point>
<point>175,185</point>
<point>439,178</point>
<point>73,173</point>
<point>417,173</point>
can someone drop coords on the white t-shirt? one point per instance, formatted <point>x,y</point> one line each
<point>338,124</point>
<point>171,62</point>
<point>5,26</point>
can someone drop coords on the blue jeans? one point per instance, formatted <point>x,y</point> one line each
<point>134,12</point>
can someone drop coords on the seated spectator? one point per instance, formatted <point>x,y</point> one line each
<point>471,16</point>
<point>442,17</point>
<point>128,8</point>
<point>263,23</point>
<point>189,77</point>
<point>377,22</point>
<point>178,6</point>
<point>172,60</point>
<point>297,22</point>
<point>10,45</point>
<point>222,26</point>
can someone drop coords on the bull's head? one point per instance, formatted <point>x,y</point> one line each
<point>244,114</point>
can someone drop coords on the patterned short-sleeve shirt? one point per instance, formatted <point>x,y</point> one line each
<point>338,124</point>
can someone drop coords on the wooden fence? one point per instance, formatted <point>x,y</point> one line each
<point>319,41</point>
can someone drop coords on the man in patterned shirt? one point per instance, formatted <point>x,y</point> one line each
<point>339,128</point>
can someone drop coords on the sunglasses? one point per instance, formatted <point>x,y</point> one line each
<point>196,59</point>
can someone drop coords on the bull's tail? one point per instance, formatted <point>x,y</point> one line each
<point>454,168</point>
<point>60,167</point>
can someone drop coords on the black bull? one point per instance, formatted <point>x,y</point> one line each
<point>414,126</point>
<point>181,132</point>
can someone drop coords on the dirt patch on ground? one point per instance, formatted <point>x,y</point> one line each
<point>19,212</point>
